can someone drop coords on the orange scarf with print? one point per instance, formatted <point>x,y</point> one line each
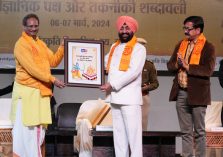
<point>126,54</point>
<point>37,51</point>
<point>196,53</point>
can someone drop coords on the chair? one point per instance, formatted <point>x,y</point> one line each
<point>62,134</point>
<point>66,116</point>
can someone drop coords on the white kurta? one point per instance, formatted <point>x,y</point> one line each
<point>126,98</point>
<point>127,84</point>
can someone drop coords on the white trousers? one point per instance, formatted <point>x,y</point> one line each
<point>26,140</point>
<point>145,112</point>
<point>127,130</point>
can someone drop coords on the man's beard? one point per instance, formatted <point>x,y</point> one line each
<point>125,37</point>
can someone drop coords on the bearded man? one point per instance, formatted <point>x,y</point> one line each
<point>124,66</point>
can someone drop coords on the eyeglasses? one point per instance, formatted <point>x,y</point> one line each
<point>33,26</point>
<point>188,29</point>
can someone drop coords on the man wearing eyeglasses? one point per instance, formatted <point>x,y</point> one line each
<point>32,89</point>
<point>193,62</point>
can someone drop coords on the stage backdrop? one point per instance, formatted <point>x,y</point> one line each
<point>160,23</point>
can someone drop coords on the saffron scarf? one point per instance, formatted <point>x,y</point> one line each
<point>38,51</point>
<point>35,49</point>
<point>126,54</point>
<point>196,53</point>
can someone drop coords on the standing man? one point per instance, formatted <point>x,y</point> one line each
<point>149,83</point>
<point>32,89</point>
<point>124,65</point>
<point>193,62</point>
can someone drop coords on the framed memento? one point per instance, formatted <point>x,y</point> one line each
<point>84,63</point>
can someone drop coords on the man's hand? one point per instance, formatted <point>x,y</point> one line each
<point>106,87</point>
<point>144,89</point>
<point>182,61</point>
<point>62,42</point>
<point>59,83</point>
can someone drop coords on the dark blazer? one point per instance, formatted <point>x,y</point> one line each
<point>220,73</point>
<point>149,77</point>
<point>198,87</point>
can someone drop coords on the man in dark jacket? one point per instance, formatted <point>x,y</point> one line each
<point>193,62</point>
<point>149,83</point>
